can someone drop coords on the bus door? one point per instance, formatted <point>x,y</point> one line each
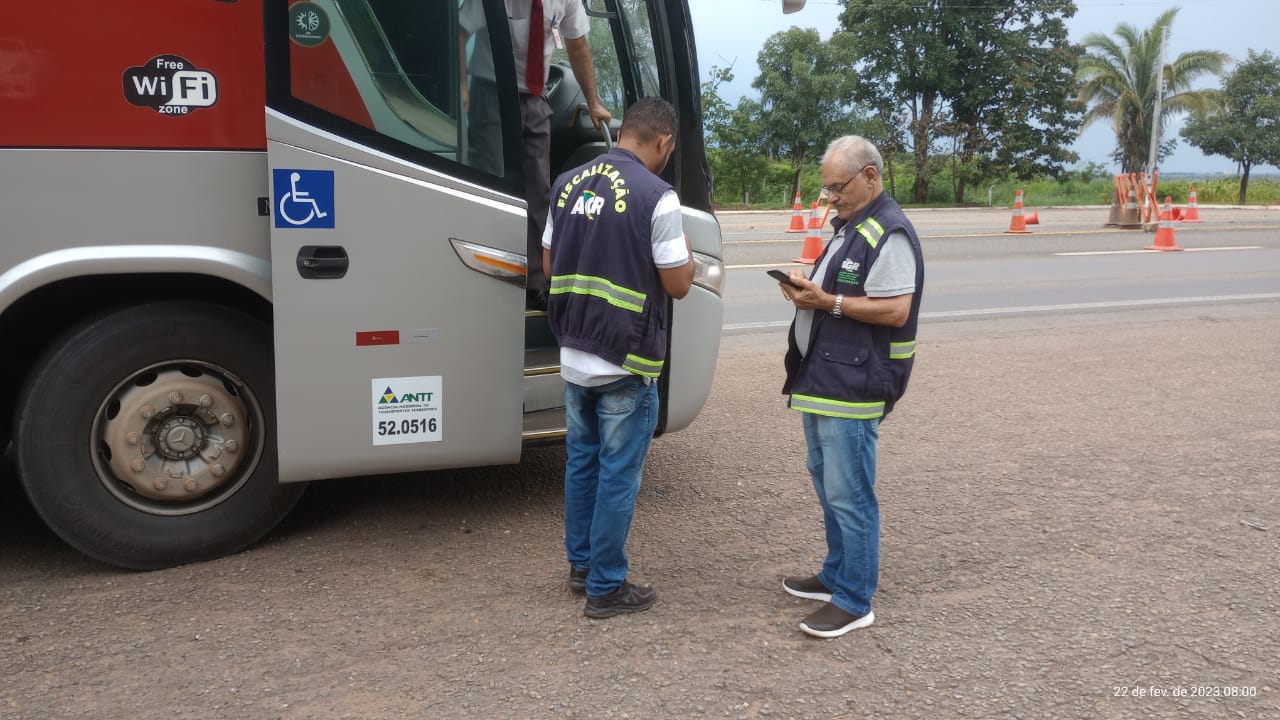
<point>397,243</point>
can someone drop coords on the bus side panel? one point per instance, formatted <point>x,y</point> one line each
<point>132,74</point>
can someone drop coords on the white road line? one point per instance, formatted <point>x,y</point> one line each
<point>765,265</point>
<point>981,312</point>
<point>1139,252</point>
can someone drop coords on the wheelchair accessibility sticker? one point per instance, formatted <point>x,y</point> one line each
<point>303,198</point>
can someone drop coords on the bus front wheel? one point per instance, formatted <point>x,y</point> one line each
<point>144,436</point>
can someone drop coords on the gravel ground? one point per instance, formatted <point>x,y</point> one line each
<point>1080,520</point>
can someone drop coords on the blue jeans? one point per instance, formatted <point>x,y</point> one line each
<point>609,431</point>
<point>842,461</point>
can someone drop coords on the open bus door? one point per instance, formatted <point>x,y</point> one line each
<point>396,267</point>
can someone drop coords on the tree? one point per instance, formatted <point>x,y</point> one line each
<point>803,96</point>
<point>1012,105</point>
<point>738,164</point>
<point>1247,128</point>
<point>1120,82</point>
<point>992,79</point>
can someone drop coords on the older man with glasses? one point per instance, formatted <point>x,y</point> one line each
<point>850,353</point>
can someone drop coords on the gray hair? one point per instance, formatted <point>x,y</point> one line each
<point>853,152</point>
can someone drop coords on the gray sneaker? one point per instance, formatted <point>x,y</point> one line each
<point>578,577</point>
<point>809,588</point>
<point>830,621</point>
<point>626,598</point>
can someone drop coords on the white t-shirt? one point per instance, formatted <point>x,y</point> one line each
<point>588,370</point>
<point>892,274</point>
<point>567,15</point>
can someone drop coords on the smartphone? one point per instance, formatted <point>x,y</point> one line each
<point>781,277</point>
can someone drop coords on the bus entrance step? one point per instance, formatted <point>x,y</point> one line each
<point>543,392</point>
<point>544,426</point>
<point>537,331</point>
<point>542,361</point>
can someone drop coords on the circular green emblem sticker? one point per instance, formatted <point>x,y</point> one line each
<point>308,24</point>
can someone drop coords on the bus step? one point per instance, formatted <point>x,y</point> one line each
<point>542,361</point>
<point>543,392</point>
<point>544,426</point>
<point>537,331</point>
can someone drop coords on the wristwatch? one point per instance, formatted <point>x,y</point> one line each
<point>838,310</point>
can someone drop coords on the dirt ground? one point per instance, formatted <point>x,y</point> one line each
<point>1080,520</point>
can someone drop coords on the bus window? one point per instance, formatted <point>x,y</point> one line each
<point>390,71</point>
<point>617,88</point>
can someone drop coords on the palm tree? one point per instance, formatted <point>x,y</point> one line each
<point>1120,82</point>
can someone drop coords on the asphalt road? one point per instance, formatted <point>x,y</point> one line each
<point>1080,520</point>
<point>1068,263</point>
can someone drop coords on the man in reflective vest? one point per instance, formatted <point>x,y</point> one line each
<point>617,254</point>
<point>850,352</point>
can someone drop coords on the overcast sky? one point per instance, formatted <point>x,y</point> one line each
<point>733,31</point>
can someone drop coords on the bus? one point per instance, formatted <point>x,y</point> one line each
<point>243,246</point>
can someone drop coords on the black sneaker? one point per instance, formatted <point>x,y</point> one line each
<point>830,621</point>
<point>578,577</point>
<point>809,588</point>
<point>626,598</point>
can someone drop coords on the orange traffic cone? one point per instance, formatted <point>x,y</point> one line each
<point>797,216</point>
<point>814,220</point>
<point>1192,213</point>
<point>812,247</point>
<point>1165,239</point>
<point>1018,224</point>
<point>1032,218</point>
<point>813,241</point>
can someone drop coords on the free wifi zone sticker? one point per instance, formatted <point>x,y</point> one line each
<point>170,85</point>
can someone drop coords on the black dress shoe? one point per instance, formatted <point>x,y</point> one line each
<point>535,299</point>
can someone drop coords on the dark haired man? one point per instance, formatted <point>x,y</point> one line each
<point>616,252</point>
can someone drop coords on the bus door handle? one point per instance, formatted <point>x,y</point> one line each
<point>323,262</point>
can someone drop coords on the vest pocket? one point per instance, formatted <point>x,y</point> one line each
<point>853,377</point>
<point>843,353</point>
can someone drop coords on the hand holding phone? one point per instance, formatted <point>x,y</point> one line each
<point>782,278</point>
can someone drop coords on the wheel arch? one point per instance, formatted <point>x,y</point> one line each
<point>40,299</point>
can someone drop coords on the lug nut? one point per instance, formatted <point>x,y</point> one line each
<point>175,398</point>
<point>206,401</point>
<point>160,483</point>
<point>138,465</point>
<point>227,419</point>
<point>190,485</point>
<point>217,471</point>
<point>133,438</point>
<point>231,446</point>
<point>148,412</point>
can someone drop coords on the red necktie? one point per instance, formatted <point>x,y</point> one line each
<point>534,71</point>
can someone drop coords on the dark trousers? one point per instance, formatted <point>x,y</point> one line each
<point>485,152</point>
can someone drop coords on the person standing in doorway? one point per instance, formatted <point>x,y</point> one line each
<point>537,27</point>
<point>850,353</point>
<point>617,253</point>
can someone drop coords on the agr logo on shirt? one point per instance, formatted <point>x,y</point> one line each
<point>589,204</point>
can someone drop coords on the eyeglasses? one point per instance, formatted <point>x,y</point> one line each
<point>829,190</point>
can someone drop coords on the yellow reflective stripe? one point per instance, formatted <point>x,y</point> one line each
<point>837,408</point>
<point>616,295</point>
<point>873,233</point>
<point>902,350</point>
<point>642,366</point>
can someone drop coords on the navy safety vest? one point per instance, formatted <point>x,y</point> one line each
<point>606,296</point>
<point>855,369</point>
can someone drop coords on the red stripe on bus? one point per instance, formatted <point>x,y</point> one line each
<point>377,337</point>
